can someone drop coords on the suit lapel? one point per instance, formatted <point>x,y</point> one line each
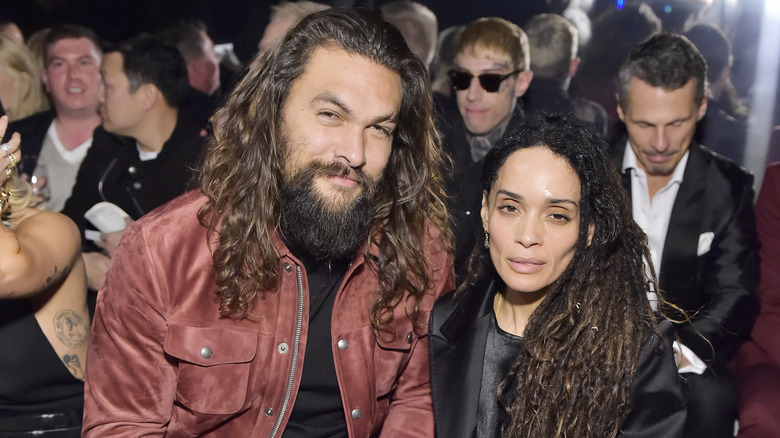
<point>678,268</point>
<point>457,357</point>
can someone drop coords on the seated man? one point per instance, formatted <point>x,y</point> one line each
<point>146,148</point>
<point>696,208</point>
<point>491,71</point>
<point>554,42</point>
<point>55,142</point>
<point>290,296</point>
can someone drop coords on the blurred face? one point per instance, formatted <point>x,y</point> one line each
<point>273,32</point>
<point>532,214</point>
<point>122,111</point>
<point>660,124</point>
<point>211,65</point>
<point>72,75</point>
<point>8,92</point>
<point>341,112</point>
<point>483,111</point>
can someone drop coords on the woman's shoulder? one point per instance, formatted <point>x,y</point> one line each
<point>48,225</point>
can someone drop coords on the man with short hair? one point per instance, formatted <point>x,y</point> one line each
<point>417,24</point>
<point>696,208</point>
<point>192,40</point>
<point>290,295</point>
<point>147,158</point>
<point>55,142</point>
<point>490,72</point>
<point>284,16</point>
<point>554,41</point>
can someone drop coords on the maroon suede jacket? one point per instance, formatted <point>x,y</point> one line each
<point>163,361</point>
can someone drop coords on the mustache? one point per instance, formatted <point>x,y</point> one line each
<point>338,169</point>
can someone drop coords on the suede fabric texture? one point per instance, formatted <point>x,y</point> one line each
<point>149,373</point>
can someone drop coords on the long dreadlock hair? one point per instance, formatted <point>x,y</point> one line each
<point>573,374</point>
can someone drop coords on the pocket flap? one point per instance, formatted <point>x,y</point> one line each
<point>208,346</point>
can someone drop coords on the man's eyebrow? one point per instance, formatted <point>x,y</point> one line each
<point>329,97</point>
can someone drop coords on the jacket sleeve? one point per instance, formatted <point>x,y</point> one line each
<point>130,384</point>
<point>729,281</point>
<point>411,410</point>
<point>657,403</point>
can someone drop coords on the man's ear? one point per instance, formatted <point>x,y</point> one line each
<point>702,108</point>
<point>523,81</point>
<point>591,231</point>
<point>573,66</point>
<point>620,113</point>
<point>45,79</point>
<point>149,93</point>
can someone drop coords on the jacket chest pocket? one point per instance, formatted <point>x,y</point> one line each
<point>392,355</point>
<point>214,366</point>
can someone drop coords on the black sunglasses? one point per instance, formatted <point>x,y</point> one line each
<point>490,82</point>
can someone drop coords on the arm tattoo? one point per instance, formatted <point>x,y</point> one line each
<point>70,328</point>
<point>74,365</point>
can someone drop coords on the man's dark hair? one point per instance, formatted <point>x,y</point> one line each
<point>147,60</point>
<point>186,36</point>
<point>665,60</point>
<point>243,172</point>
<point>69,31</point>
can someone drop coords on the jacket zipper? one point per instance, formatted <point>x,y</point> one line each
<point>296,340</point>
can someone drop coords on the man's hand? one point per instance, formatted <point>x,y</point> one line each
<point>97,266</point>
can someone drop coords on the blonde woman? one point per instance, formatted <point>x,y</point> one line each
<point>44,320</point>
<point>20,83</point>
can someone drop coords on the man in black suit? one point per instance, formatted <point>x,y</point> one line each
<point>697,209</point>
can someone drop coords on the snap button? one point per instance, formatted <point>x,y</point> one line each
<point>137,185</point>
<point>132,170</point>
<point>206,352</point>
<point>287,267</point>
<point>269,412</point>
<point>409,338</point>
<point>356,414</point>
<point>283,348</point>
<point>468,213</point>
<point>343,344</point>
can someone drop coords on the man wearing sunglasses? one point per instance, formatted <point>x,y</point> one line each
<point>490,72</point>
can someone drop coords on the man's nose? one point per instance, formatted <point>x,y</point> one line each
<point>353,148</point>
<point>660,141</point>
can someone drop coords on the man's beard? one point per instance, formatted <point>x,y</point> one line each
<point>314,224</point>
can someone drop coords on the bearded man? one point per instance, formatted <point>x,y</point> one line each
<point>290,295</point>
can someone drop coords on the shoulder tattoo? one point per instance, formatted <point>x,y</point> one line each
<point>70,328</point>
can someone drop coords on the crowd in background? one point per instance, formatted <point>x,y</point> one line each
<point>117,104</point>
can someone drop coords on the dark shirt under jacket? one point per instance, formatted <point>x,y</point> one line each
<point>458,342</point>
<point>546,95</point>
<point>318,410</point>
<point>33,130</point>
<point>112,171</point>
<point>463,187</point>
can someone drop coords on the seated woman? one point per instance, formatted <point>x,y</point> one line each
<point>44,322</point>
<point>21,93</point>
<point>552,334</point>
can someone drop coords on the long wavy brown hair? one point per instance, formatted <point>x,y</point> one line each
<point>243,168</point>
<point>573,374</point>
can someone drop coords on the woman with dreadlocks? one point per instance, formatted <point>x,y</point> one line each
<point>552,334</point>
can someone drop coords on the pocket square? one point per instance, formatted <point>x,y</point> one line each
<point>705,241</point>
